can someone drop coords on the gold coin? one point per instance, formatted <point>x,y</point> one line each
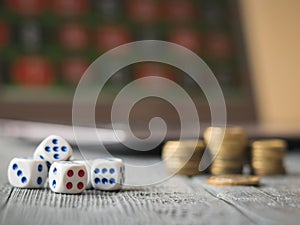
<point>222,167</point>
<point>262,173</point>
<point>181,158</point>
<point>181,161</point>
<point>227,158</point>
<point>188,172</point>
<point>185,144</point>
<point>183,149</point>
<point>216,171</point>
<point>227,163</point>
<point>273,153</point>
<point>183,168</point>
<point>270,143</point>
<point>233,179</point>
<point>220,134</point>
<point>167,154</point>
<point>277,169</point>
<point>227,149</point>
<point>266,166</point>
<point>221,158</point>
<point>182,155</point>
<point>228,155</point>
<point>225,169</point>
<point>179,153</point>
<point>235,143</point>
<point>270,168</point>
<point>233,146</point>
<point>266,160</point>
<point>274,170</point>
<point>267,173</point>
<point>181,165</point>
<point>176,161</point>
<point>231,130</point>
<point>268,155</point>
<point>223,172</point>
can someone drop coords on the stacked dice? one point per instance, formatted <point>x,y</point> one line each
<point>52,160</point>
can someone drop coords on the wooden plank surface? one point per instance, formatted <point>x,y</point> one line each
<point>179,200</point>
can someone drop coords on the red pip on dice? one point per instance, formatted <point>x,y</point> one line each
<point>51,162</point>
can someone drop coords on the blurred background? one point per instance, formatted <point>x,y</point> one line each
<point>251,46</point>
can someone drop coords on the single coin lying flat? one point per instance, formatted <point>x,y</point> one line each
<point>233,179</point>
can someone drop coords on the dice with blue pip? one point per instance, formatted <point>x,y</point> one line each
<point>27,173</point>
<point>108,174</point>
<point>53,161</point>
<point>52,149</point>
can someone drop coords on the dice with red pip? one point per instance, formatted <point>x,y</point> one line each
<point>68,177</point>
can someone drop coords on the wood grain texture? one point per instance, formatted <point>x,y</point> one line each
<point>174,202</point>
<point>259,205</point>
<point>179,200</point>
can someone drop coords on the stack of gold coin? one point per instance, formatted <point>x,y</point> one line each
<point>267,157</point>
<point>183,157</point>
<point>227,147</point>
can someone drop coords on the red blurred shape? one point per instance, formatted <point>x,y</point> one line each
<point>147,69</point>
<point>73,69</point>
<point>73,36</point>
<point>32,71</point>
<point>219,45</point>
<point>4,34</point>
<point>27,7</point>
<point>187,38</point>
<point>181,11</point>
<point>110,36</point>
<point>71,7</point>
<point>144,11</point>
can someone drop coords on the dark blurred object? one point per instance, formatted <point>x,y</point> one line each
<point>45,47</point>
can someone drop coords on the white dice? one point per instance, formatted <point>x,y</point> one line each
<point>67,177</point>
<point>51,161</point>
<point>108,174</point>
<point>53,148</point>
<point>27,173</point>
<point>88,164</point>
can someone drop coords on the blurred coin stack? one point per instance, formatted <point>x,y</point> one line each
<point>183,157</point>
<point>227,147</point>
<point>267,157</point>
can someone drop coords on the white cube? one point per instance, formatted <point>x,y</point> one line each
<point>88,165</point>
<point>53,149</point>
<point>108,174</point>
<point>27,173</point>
<point>67,177</point>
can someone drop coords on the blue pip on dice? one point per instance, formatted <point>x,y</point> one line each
<point>51,163</point>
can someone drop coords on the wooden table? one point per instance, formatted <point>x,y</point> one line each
<point>180,200</point>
